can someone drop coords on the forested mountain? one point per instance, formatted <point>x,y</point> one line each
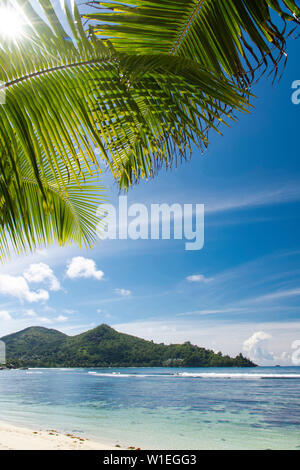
<point>102,347</point>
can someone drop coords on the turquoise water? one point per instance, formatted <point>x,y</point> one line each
<point>160,408</point>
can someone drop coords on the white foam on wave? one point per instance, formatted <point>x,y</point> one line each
<point>112,374</point>
<point>216,375</point>
<point>204,375</point>
<point>118,374</point>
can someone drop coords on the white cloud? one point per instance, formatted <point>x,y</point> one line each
<point>50,321</point>
<point>69,311</point>
<point>4,315</point>
<point>295,357</point>
<point>17,286</point>
<point>49,309</point>
<point>30,313</point>
<point>61,318</point>
<point>45,320</point>
<point>40,272</point>
<point>256,347</point>
<point>122,292</point>
<point>255,339</point>
<point>104,314</point>
<point>83,267</point>
<point>77,329</point>
<point>199,278</point>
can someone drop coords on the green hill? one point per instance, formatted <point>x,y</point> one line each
<point>102,347</point>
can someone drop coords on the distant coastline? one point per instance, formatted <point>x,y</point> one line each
<point>105,347</point>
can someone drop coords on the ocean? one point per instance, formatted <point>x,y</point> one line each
<point>159,408</point>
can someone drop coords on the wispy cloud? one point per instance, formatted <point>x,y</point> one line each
<point>199,278</point>
<point>61,319</point>
<point>278,295</point>
<point>30,313</point>
<point>5,315</point>
<point>251,197</point>
<point>52,321</point>
<point>69,311</point>
<point>212,312</point>
<point>123,292</point>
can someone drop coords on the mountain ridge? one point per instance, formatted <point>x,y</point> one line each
<point>105,347</point>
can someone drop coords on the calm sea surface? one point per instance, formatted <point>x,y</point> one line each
<point>160,408</point>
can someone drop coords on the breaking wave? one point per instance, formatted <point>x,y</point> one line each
<point>203,375</point>
<point>215,375</point>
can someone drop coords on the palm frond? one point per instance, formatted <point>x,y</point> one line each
<point>227,37</point>
<point>30,218</point>
<point>165,106</point>
<point>43,76</point>
<point>67,95</point>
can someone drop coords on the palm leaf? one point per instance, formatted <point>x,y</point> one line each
<point>66,215</point>
<point>42,77</point>
<point>165,106</point>
<point>67,95</point>
<point>227,37</point>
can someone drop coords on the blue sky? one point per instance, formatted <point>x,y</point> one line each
<point>248,272</point>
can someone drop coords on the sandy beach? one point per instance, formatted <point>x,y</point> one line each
<point>19,438</point>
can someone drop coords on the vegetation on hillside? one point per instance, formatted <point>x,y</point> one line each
<point>105,347</point>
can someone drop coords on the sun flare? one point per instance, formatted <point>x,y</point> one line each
<point>11,23</point>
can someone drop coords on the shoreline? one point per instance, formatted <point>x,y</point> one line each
<point>14,437</point>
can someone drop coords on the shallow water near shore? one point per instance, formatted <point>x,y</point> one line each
<point>160,408</point>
